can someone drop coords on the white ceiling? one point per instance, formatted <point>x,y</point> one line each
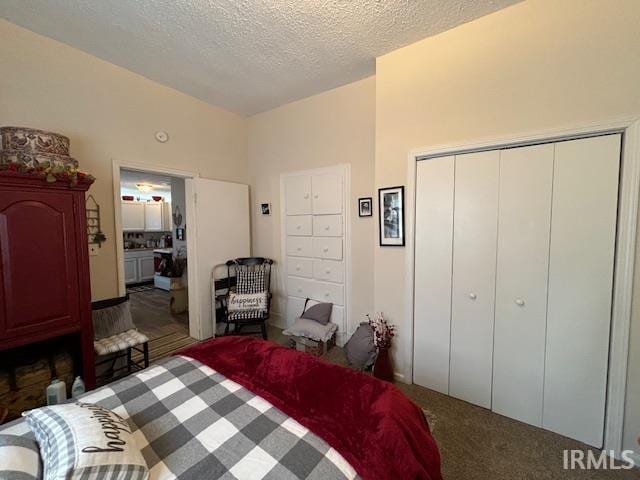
<point>247,56</point>
<point>161,184</point>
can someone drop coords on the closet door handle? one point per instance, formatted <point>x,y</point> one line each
<point>306,196</point>
<point>315,196</point>
<point>520,302</point>
<point>473,296</point>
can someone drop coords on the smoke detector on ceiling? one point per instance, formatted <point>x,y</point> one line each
<point>162,136</point>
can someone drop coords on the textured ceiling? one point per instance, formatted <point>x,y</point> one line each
<point>246,56</point>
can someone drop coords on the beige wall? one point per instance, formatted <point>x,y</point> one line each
<point>111,113</point>
<point>536,65</point>
<point>327,129</point>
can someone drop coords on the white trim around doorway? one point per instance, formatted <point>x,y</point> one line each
<point>194,327</point>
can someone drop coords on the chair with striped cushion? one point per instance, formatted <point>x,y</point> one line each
<point>116,337</point>
<point>246,276</point>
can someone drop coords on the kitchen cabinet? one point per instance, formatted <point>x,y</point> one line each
<point>139,266</point>
<point>146,216</point>
<point>130,270</point>
<point>153,217</point>
<point>146,269</point>
<point>133,216</point>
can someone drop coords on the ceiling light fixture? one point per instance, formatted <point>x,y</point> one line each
<point>144,187</point>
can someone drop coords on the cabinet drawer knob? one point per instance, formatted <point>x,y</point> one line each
<point>325,249</point>
<point>297,267</point>
<point>315,196</point>
<point>473,296</point>
<point>326,294</point>
<point>298,227</point>
<point>306,195</point>
<point>327,271</point>
<point>299,248</point>
<point>299,290</point>
<point>327,228</point>
<point>520,302</point>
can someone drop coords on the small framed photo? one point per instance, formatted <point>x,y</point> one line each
<point>265,208</point>
<point>365,207</point>
<point>391,213</point>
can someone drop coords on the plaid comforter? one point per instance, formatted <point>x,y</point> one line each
<point>192,423</point>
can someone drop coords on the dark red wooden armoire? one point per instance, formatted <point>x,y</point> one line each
<point>44,278</point>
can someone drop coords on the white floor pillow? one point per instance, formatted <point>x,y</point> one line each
<point>19,458</point>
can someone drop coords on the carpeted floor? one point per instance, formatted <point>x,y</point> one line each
<point>475,444</point>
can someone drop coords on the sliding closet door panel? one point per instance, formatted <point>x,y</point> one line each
<point>585,199</point>
<point>526,176</point>
<point>475,228</point>
<point>434,232</point>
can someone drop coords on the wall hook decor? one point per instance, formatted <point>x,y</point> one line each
<point>94,232</point>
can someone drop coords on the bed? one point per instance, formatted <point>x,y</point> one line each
<point>238,407</point>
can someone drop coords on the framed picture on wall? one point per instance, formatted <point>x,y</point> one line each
<point>391,216</point>
<point>365,207</point>
<point>265,208</point>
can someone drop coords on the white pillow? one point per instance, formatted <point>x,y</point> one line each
<point>303,327</point>
<point>247,302</point>
<point>83,440</point>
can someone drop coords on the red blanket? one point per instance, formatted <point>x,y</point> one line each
<point>373,425</point>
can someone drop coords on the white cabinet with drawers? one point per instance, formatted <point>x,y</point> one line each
<point>299,225</point>
<point>327,225</point>
<point>300,267</point>
<point>316,242</point>
<point>300,246</point>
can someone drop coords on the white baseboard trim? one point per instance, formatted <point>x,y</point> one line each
<point>400,377</point>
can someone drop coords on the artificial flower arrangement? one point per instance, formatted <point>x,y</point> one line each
<point>50,172</point>
<point>383,331</point>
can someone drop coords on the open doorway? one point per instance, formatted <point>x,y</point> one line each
<point>153,252</point>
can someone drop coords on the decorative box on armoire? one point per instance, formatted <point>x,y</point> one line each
<point>44,263</point>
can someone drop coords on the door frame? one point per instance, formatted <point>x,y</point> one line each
<point>629,187</point>
<point>194,325</point>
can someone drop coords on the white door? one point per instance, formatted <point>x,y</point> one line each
<point>130,270</point>
<point>521,290</point>
<point>298,195</point>
<point>218,231</point>
<point>146,270</point>
<point>153,217</point>
<point>585,199</point>
<point>132,216</point>
<point>433,256</point>
<point>475,230</point>
<point>327,194</point>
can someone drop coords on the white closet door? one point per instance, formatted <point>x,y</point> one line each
<point>474,266</point>
<point>585,199</point>
<point>327,194</point>
<point>298,195</point>
<point>434,238</point>
<point>526,176</point>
